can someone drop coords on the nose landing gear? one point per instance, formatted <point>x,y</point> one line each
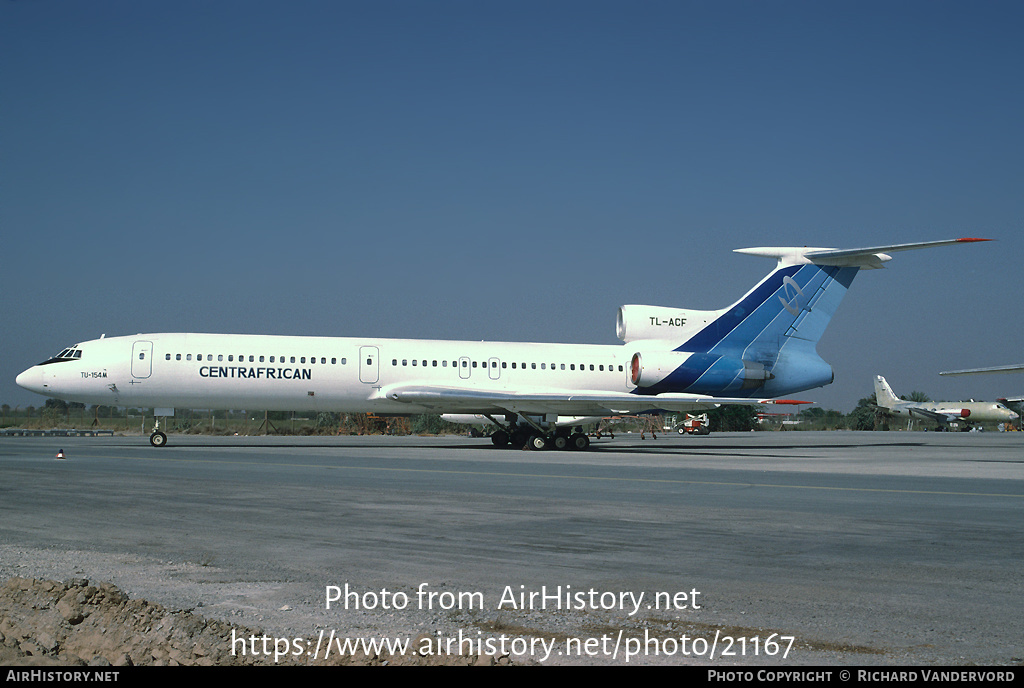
<point>157,439</point>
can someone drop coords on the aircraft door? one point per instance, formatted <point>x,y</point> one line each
<point>464,367</point>
<point>142,359</point>
<point>494,368</point>
<point>368,369</point>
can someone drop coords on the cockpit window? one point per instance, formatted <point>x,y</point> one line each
<point>69,354</point>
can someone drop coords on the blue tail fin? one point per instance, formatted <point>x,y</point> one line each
<point>774,328</point>
<point>793,301</point>
<point>763,345</point>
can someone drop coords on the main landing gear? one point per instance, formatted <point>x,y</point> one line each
<point>533,436</point>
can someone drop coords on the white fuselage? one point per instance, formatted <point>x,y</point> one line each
<point>284,373</point>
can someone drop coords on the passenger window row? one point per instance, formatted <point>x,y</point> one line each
<point>504,364</point>
<point>230,358</point>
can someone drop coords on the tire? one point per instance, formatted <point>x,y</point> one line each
<point>579,441</point>
<point>158,439</point>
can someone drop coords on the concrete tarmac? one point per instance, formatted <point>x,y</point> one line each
<point>865,548</point>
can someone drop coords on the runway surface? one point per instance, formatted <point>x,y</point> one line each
<point>866,548</point>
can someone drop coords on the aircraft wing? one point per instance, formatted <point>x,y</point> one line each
<point>574,403</point>
<point>936,416</point>
<point>994,369</point>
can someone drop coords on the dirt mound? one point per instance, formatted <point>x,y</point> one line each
<point>76,623</point>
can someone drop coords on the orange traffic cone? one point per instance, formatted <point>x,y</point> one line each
<point>60,453</point>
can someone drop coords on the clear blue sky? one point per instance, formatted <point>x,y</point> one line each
<point>509,170</point>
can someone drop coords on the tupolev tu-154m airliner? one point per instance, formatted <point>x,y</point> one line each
<point>762,347</point>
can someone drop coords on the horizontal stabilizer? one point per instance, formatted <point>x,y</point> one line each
<point>865,258</point>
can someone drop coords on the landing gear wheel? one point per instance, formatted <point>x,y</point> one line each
<point>538,443</point>
<point>158,439</point>
<point>560,442</point>
<point>579,441</point>
<point>499,438</point>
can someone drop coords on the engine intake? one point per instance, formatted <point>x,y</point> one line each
<point>633,323</point>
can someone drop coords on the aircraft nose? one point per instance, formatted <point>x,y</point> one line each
<point>31,379</point>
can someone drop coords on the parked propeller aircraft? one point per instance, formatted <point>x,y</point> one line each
<point>943,413</point>
<point>761,347</point>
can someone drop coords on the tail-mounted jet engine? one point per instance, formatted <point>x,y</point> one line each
<point>655,372</point>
